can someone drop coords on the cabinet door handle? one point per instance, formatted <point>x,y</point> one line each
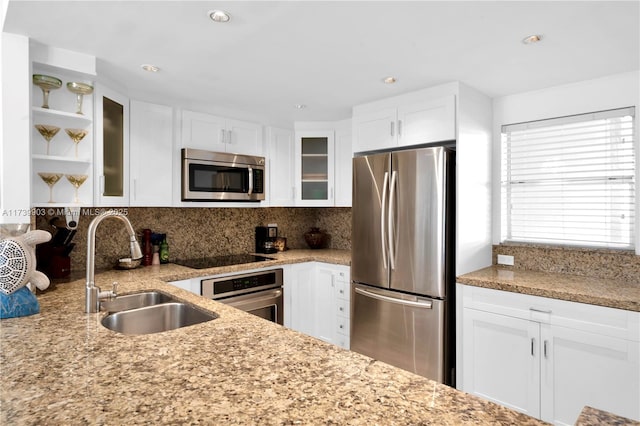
<point>545,349</point>
<point>533,342</point>
<point>399,128</point>
<point>102,185</point>
<point>392,125</point>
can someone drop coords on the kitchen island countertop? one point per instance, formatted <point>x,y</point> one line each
<point>62,366</point>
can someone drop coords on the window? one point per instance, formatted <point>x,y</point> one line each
<point>570,180</point>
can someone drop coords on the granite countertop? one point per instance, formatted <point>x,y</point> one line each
<point>62,366</point>
<point>575,288</point>
<point>592,416</point>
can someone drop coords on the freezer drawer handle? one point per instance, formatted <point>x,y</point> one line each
<point>424,305</point>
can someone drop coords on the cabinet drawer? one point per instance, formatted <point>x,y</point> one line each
<point>342,289</point>
<point>342,308</point>
<point>342,326</point>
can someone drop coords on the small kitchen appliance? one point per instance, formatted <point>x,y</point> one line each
<point>220,176</point>
<point>266,238</point>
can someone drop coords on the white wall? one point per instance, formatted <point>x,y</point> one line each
<point>614,91</point>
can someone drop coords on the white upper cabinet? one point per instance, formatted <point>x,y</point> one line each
<point>212,133</point>
<point>111,148</point>
<point>374,130</point>
<point>343,164</point>
<point>151,154</point>
<point>314,168</point>
<point>322,166</point>
<point>428,121</point>
<point>404,121</point>
<point>280,161</point>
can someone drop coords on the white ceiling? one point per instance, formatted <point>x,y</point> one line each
<point>332,55</point>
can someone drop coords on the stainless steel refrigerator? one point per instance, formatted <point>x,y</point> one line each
<point>402,266</point>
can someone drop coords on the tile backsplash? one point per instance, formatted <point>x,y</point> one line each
<point>198,232</point>
<point>600,263</point>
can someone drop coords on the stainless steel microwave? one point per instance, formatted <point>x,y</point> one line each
<point>219,176</point>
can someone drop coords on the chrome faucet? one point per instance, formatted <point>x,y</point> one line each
<point>93,295</point>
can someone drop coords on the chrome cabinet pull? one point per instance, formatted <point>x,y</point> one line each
<point>399,128</point>
<point>533,342</point>
<point>543,311</point>
<point>392,126</point>
<point>545,349</point>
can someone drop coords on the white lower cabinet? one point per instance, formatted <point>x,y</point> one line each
<point>317,301</point>
<point>549,358</point>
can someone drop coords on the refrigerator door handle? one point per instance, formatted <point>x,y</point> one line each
<point>392,196</point>
<point>421,304</point>
<point>382,210</point>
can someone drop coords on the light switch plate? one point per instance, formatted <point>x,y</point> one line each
<point>505,260</point>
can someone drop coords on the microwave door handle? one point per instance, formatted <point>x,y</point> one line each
<point>250,181</point>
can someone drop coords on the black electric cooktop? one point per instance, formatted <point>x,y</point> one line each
<point>217,261</point>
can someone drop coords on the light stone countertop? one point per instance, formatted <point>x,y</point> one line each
<point>613,293</point>
<point>62,366</point>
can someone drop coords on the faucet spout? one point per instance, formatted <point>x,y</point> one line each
<point>92,292</point>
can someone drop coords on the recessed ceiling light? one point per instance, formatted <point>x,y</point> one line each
<point>219,16</point>
<point>301,106</point>
<point>389,80</point>
<point>532,39</point>
<point>149,67</point>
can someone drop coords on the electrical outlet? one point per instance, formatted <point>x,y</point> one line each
<point>505,260</point>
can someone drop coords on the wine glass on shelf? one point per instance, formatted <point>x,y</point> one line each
<point>50,179</point>
<point>46,83</point>
<point>80,89</point>
<point>76,181</point>
<point>76,136</point>
<point>48,132</point>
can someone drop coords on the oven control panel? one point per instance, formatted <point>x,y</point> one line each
<point>217,288</point>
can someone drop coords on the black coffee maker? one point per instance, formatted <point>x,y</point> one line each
<point>265,237</point>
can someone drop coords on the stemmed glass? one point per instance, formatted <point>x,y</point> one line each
<point>76,181</point>
<point>79,89</point>
<point>48,132</point>
<point>76,136</point>
<point>50,179</point>
<point>46,83</point>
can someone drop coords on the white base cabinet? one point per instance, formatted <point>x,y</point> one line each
<point>317,301</point>
<point>549,358</point>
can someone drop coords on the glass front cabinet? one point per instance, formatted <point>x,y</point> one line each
<point>112,148</point>
<point>315,168</point>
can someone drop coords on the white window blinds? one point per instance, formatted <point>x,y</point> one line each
<point>570,180</point>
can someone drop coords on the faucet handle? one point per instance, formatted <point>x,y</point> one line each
<point>114,288</point>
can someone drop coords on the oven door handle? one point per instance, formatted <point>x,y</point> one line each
<point>255,300</point>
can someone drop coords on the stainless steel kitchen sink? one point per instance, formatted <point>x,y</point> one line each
<point>157,318</point>
<point>135,300</point>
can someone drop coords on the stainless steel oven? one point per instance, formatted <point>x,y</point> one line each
<point>259,293</point>
<point>220,176</point>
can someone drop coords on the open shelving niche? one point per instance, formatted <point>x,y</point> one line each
<point>62,150</point>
